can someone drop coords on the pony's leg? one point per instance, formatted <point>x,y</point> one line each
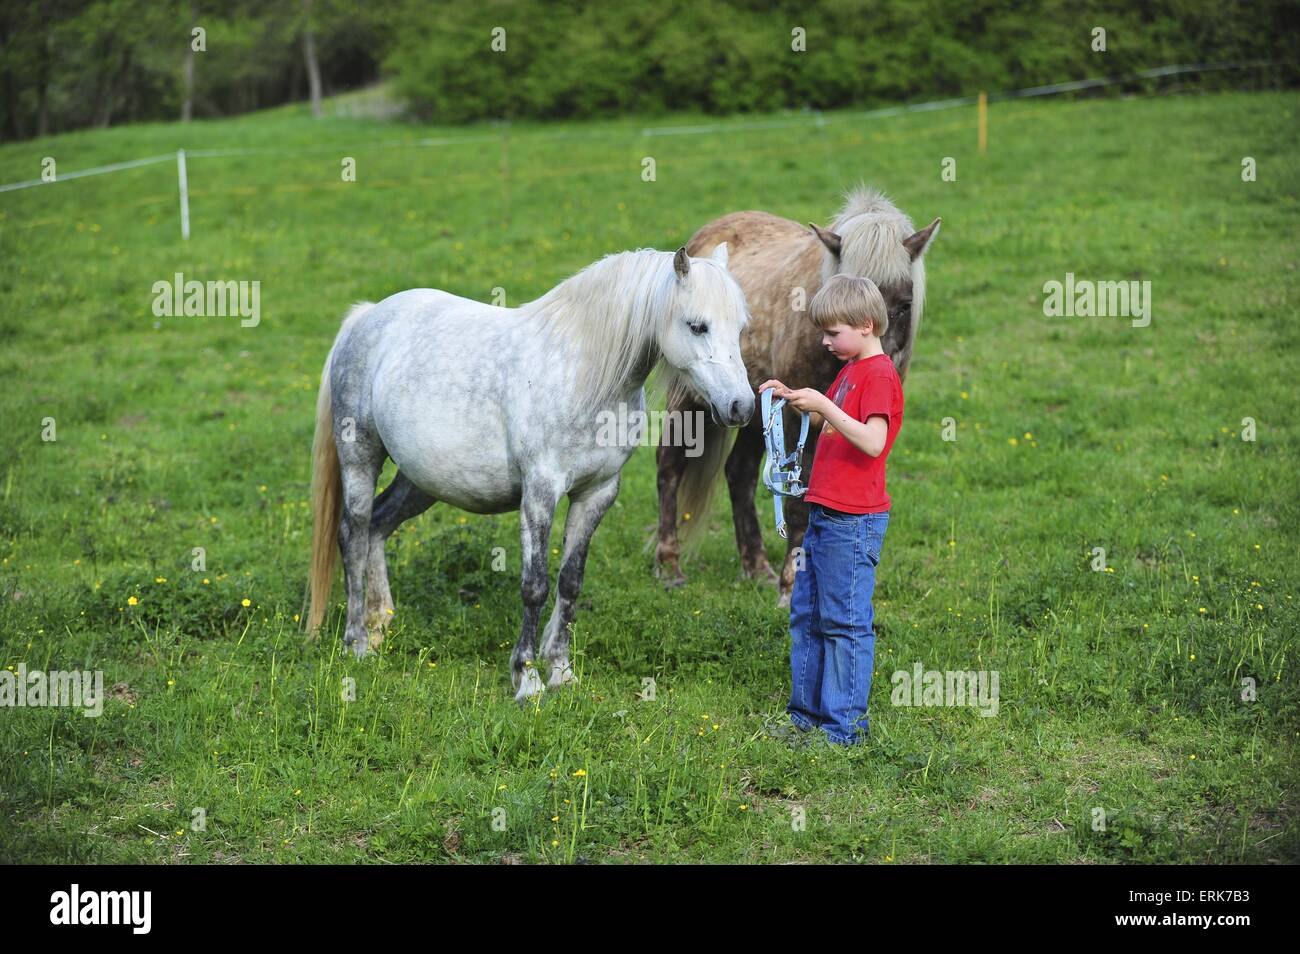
<point>742,469</point>
<point>400,501</point>
<point>536,514</point>
<point>671,462</point>
<point>359,470</point>
<point>585,514</point>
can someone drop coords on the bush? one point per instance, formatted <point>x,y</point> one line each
<point>585,58</point>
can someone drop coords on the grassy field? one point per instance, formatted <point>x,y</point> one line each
<point>1120,690</point>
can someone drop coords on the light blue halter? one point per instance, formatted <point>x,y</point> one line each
<point>782,472</point>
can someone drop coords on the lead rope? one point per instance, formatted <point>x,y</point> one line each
<point>785,479</point>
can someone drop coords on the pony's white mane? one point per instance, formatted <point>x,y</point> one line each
<point>612,311</point>
<point>872,229</point>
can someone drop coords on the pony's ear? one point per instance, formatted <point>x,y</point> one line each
<point>918,242</point>
<point>720,254</point>
<point>829,238</point>
<point>682,263</point>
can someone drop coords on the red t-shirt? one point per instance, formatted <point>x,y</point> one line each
<point>844,477</point>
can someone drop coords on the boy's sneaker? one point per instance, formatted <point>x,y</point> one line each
<point>805,739</point>
<point>781,727</point>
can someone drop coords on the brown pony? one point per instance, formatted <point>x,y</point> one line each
<point>780,265</point>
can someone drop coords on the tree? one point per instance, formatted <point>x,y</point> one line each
<point>309,55</point>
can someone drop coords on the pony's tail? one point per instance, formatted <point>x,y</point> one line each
<point>326,491</point>
<point>326,494</point>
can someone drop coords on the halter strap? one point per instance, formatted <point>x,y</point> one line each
<point>782,472</point>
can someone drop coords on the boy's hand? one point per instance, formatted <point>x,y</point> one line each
<point>806,399</point>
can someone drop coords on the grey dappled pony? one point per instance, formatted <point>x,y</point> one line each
<point>495,409</point>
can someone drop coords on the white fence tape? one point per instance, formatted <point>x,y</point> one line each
<point>80,173</point>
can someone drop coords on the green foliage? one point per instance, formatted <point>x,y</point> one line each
<point>72,63</point>
<point>589,58</point>
<point>66,64</point>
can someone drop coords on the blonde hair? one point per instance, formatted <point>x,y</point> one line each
<point>847,300</point>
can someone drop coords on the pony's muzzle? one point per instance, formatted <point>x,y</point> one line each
<point>737,414</point>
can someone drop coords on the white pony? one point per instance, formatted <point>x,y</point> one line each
<point>496,409</point>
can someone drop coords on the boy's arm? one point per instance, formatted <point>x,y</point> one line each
<point>867,436</point>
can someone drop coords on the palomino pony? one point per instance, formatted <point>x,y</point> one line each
<point>496,409</point>
<point>781,265</point>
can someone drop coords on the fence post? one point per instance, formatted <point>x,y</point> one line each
<point>185,195</point>
<point>984,122</point>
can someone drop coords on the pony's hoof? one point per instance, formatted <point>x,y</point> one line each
<point>764,574</point>
<point>530,686</point>
<point>783,601</point>
<point>671,579</point>
<point>375,632</point>
<point>561,672</point>
<point>359,646</point>
<point>670,575</point>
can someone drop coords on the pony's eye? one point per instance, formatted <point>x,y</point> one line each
<point>699,327</point>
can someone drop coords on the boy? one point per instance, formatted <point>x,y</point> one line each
<point>832,642</point>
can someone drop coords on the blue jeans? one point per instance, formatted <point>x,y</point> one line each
<point>832,642</point>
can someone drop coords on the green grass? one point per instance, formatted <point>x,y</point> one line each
<point>1120,690</point>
